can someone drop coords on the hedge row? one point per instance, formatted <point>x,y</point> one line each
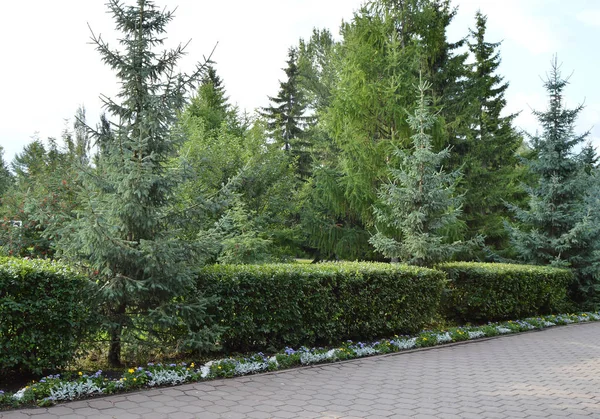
<point>267,307</point>
<point>481,292</point>
<point>45,310</point>
<point>43,314</point>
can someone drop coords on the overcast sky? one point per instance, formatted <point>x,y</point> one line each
<point>49,68</point>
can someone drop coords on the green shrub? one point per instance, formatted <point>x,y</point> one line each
<point>45,311</point>
<point>493,291</point>
<point>267,307</point>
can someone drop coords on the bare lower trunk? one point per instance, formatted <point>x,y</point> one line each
<point>114,352</point>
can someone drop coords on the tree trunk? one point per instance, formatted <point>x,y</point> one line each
<point>114,352</point>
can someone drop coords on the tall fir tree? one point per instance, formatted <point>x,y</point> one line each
<point>125,231</point>
<point>489,175</point>
<point>211,103</point>
<point>286,119</point>
<point>561,225</point>
<point>419,203</point>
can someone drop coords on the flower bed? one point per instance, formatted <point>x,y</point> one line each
<point>53,388</point>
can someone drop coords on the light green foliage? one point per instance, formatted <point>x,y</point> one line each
<point>367,89</point>
<point>366,118</point>
<point>127,229</point>
<point>46,313</point>
<point>266,307</point>
<point>235,171</point>
<point>43,195</point>
<point>561,225</point>
<point>418,205</point>
<point>483,292</point>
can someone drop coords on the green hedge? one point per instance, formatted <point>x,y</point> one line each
<point>267,307</point>
<point>494,291</point>
<point>44,313</point>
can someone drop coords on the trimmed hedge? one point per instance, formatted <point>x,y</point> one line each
<point>267,307</point>
<point>495,291</point>
<point>44,314</point>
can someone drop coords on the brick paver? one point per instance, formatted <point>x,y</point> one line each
<point>550,374</point>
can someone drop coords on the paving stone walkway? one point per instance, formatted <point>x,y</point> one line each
<point>549,374</point>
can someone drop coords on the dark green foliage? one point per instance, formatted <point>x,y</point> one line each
<point>482,292</point>
<point>489,162</point>
<point>127,229</point>
<point>46,311</point>
<point>271,306</point>
<point>286,119</point>
<point>561,226</point>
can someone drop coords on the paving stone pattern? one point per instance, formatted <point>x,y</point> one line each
<point>549,374</point>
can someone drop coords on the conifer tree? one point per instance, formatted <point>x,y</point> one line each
<point>210,104</point>
<point>561,225</point>
<point>489,175</point>
<point>418,204</point>
<point>126,232</point>
<point>377,63</point>
<point>286,118</point>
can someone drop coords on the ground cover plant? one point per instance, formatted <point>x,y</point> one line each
<point>55,388</point>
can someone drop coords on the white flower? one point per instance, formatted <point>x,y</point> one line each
<point>476,334</point>
<point>503,330</point>
<point>310,358</point>
<point>19,394</point>
<point>443,337</point>
<point>405,343</point>
<point>365,350</point>
<point>204,371</point>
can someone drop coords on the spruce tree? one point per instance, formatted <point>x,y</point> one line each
<point>561,225</point>
<point>210,104</point>
<point>286,119</point>
<point>489,175</point>
<point>418,204</point>
<point>126,232</point>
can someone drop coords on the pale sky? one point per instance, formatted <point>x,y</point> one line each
<point>49,68</point>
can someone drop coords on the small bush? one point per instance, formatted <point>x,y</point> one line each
<point>267,307</point>
<point>492,291</point>
<point>44,311</point>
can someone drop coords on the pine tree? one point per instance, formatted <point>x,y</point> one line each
<point>489,175</point>
<point>286,119</point>
<point>126,232</point>
<point>419,204</point>
<point>561,226</point>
